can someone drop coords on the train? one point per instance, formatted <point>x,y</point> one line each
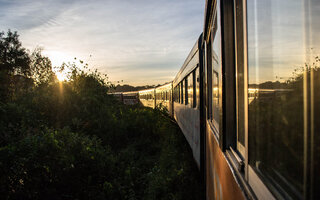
<point>247,99</point>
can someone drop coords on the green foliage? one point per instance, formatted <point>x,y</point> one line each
<point>13,57</point>
<point>71,140</point>
<point>55,164</point>
<point>41,68</point>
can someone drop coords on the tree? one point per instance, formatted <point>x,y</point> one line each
<point>41,67</point>
<point>14,66</point>
<point>14,59</point>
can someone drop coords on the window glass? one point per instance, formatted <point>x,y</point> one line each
<point>178,91</point>
<point>186,90</point>
<point>283,62</point>
<point>181,92</point>
<point>190,90</point>
<point>209,80</point>
<point>197,75</point>
<point>216,70</point>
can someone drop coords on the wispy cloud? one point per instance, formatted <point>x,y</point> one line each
<point>130,40</point>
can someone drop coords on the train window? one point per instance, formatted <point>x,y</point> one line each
<point>190,90</point>
<point>194,89</point>
<point>186,90</point>
<point>215,75</point>
<point>177,94</point>
<point>181,92</point>
<point>283,95</point>
<point>197,76</point>
<point>178,90</point>
<point>209,80</point>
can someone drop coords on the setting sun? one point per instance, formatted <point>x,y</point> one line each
<point>61,76</point>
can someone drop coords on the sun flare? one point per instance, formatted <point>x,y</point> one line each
<point>61,76</point>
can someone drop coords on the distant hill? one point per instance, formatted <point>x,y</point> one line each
<point>129,88</point>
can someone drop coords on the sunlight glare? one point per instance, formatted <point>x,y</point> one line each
<point>61,76</point>
<point>58,57</point>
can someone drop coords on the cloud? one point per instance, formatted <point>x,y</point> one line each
<point>123,36</point>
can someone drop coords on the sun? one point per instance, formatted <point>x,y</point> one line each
<point>61,76</point>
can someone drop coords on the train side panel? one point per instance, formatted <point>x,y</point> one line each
<point>147,98</point>
<point>147,102</point>
<point>221,182</point>
<point>130,98</point>
<point>186,108</point>
<point>188,120</point>
<point>164,97</point>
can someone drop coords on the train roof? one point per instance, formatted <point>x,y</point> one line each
<point>130,93</point>
<point>208,19</point>
<point>146,91</point>
<point>164,86</point>
<point>190,63</point>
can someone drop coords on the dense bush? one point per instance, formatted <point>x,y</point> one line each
<point>70,140</point>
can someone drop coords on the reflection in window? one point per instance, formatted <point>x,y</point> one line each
<point>197,87</point>
<point>190,90</point>
<point>283,42</point>
<point>181,92</point>
<point>177,94</point>
<point>186,90</point>
<point>216,69</point>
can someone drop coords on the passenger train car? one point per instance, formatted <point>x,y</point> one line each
<point>164,97</point>
<point>247,99</point>
<point>147,97</point>
<point>130,98</point>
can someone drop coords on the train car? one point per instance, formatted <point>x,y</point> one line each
<point>164,97</point>
<point>247,99</point>
<point>187,99</point>
<point>262,81</point>
<point>130,98</point>
<point>117,95</point>
<point>147,98</point>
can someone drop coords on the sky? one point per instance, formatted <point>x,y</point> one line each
<point>141,42</point>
